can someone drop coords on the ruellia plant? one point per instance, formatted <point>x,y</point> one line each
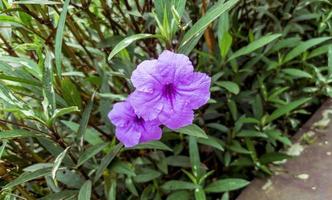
<point>163,99</point>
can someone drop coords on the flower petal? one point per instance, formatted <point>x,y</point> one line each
<point>144,76</point>
<point>150,132</point>
<point>128,136</point>
<point>196,91</point>
<point>173,66</point>
<point>177,119</point>
<point>146,105</point>
<point>121,113</point>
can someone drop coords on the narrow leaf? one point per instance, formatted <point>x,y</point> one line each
<point>48,90</point>
<point>107,160</point>
<point>211,15</point>
<point>152,145</point>
<point>302,47</point>
<point>70,93</point>
<point>126,42</point>
<point>3,147</point>
<point>211,141</point>
<point>28,176</point>
<point>85,191</point>
<point>58,162</point>
<point>192,130</point>
<point>179,185</point>
<point>17,133</point>
<point>38,2</point>
<point>254,45</point>
<point>63,111</point>
<point>85,120</point>
<point>297,73</point>
<point>90,152</point>
<point>329,65</point>
<point>146,176</point>
<point>230,86</point>
<point>286,109</point>
<point>226,185</point>
<point>59,37</point>
<point>194,156</point>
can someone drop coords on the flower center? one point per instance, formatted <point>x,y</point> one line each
<point>138,120</point>
<point>169,91</point>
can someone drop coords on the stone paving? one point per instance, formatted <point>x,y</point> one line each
<point>307,176</point>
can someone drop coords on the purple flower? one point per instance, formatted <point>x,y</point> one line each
<point>130,128</point>
<point>169,90</point>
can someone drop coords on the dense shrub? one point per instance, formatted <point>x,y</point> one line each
<point>64,64</point>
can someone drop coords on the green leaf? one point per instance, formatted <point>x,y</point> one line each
<point>319,51</point>
<point>272,157</point>
<point>329,65</point>
<point>48,90</point>
<point>186,49</point>
<point>28,64</point>
<point>63,111</point>
<point>218,127</point>
<point>90,152</point>
<point>178,161</point>
<point>179,185</point>
<point>38,2</point>
<point>112,191</point>
<point>277,135</point>
<point>225,44</point>
<point>57,162</point>
<point>28,176</point>
<point>200,194</point>
<point>230,86</point>
<point>122,167</point>
<point>11,20</point>
<point>106,161</point>
<point>92,136</point>
<point>248,120</point>
<point>194,156</point>
<point>85,120</point>
<point>18,133</point>
<point>59,37</point>
<point>126,42</point>
<point>70,93</point>
<point>85,191</point>
<point>236,147</point>
<point>226,185</point>
<point>53,148</point>
<point>19,80</point>
<point>131,186</point>
<point>71,178</point>
<point>225,196</point>
<point>302,47</point>
<point>64,194</point>
<point>146,176</point>
<point>116,97</point>
<point>199,27</point>
<point>251,133</point>
<point>3,147</point>
<point>152,145</point>
<point>254,45</point>
<point>211,141</point>
<point>183,195</point>
<point>283,110</point>
<point>297,73</point>
<point>192,130</point>
<point>285,43</point>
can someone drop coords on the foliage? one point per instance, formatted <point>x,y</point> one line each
<point>64,63</point>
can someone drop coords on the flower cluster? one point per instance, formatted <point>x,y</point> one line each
<point>167,90</point>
